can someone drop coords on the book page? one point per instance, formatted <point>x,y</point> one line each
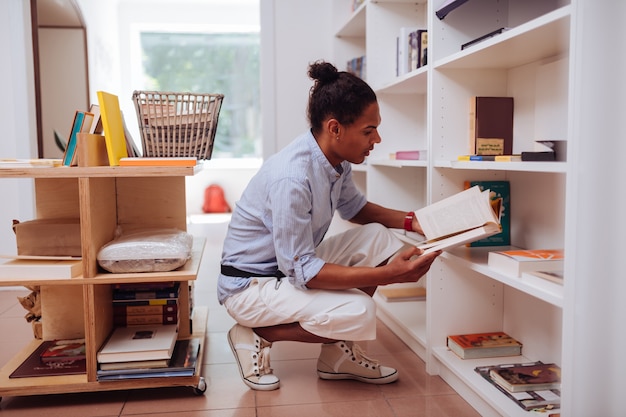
<point>462,211</point>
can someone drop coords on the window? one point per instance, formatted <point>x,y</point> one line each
<point>216,61</point>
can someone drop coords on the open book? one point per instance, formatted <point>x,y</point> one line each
<point>461,218</point>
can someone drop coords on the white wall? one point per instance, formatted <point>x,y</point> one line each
<point>294,33</point>
<point>17,114</point>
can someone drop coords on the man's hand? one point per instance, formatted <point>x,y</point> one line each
<point>410,265</point>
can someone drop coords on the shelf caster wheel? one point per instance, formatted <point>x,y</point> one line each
<point>201,388</point>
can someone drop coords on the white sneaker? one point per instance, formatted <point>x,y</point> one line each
<point>253,358</point>
<point>346,360</point>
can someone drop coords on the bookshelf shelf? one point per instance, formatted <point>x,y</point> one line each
<point>104,198</point>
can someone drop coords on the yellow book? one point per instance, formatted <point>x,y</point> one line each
<point>508,158</point>
<point>113,126</point>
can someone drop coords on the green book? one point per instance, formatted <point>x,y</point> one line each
<point>498,190</point>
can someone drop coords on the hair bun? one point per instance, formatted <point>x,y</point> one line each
<point>323,71</point>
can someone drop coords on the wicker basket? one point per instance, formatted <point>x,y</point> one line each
<point>177,124</point>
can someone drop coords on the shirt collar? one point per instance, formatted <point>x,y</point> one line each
<point>334,172</point>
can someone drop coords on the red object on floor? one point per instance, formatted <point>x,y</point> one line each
<point>214,200</point>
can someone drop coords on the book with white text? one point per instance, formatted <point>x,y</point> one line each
<point>139,343</point>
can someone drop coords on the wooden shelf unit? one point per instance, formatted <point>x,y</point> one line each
<point>104,198</point>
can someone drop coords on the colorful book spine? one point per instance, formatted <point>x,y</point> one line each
<point>498,190</point>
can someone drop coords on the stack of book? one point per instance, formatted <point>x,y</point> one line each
<point>145,303</point>
<point>533,385</point>
<point>144,340</point>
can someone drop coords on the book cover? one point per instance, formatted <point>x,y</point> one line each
<point>113,127</point>
<point>491,126</point>
<point>84,129</point>
<point>41,268</point>
<point>139,343</point>
<point>63,350</point>
<point>516,261</point>
<point>146,302</point>
<point>530,377</point>
<point>415,155</point>
<point>143,319</point>
<point>404,50</point>
<point>461,218</point>
<point>159,161</point>
<point>484,345</point>
<point>96,124</point>
<point>121,310</point>
<point>553,276</point>
<point>78,126</point>
<point>423,48</point>
<point>150,293</point>
<point>134,365</point>
<point>392,294</point>
<point>33,365</point>
<point>528,400</point>
<point>183,363</point>
<point>500,197</point>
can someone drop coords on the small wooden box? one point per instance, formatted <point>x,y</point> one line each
<point>48,237</point>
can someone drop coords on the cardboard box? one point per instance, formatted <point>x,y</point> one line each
<point>48,237</point>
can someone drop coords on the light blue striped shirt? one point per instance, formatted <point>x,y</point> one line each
<point>284,213</point>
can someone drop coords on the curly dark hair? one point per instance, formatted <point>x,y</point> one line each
<point>337,94</point>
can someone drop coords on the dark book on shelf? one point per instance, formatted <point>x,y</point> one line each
<point>483,38</point>
<point>183,363</point>
<point>483,345</point>
<point>120,309</point>
<point>447,7</point>
<point>144,319</point>
<point>500,196</point>
<point>538,156</point>
<point>527,400</point>
<point>33,365</point>
<point>491,126</point>
<point>147,294</point>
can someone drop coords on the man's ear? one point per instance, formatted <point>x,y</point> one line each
<point>333,127</point>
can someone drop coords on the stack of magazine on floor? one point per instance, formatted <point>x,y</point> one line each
<point>532,385</point>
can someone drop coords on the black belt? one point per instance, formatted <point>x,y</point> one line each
<point>231,271</point>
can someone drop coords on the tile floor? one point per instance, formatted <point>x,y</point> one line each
<point>301,394</point>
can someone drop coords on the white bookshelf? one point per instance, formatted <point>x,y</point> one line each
<point>560,61</point>
<point>428,109</point>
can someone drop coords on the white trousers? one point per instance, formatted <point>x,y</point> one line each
<point>334,314</point>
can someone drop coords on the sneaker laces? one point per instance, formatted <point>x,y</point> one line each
<point>264,360</point>
<point>359,354</point>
